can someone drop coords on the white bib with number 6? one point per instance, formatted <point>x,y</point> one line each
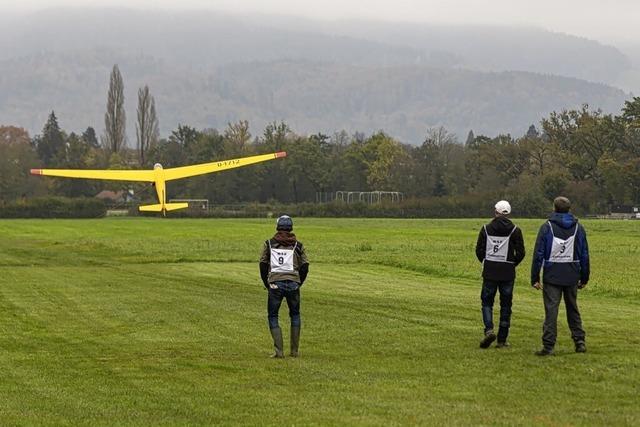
<point>497,248</point>
<point>282,260</point>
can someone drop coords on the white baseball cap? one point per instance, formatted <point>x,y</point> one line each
<point>503,207</point>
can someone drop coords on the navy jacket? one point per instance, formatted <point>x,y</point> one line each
<point>501,271</point>
<point>561,274</point>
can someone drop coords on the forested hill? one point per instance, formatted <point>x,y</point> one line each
<point>402,100</point>
<point>206,69</point>
<point>309,96</point>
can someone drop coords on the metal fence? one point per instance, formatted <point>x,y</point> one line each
<point>368,197</point>
<point>202,204</point>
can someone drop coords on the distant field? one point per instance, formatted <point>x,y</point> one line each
<point>162,322</point>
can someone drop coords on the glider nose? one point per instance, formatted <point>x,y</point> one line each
<point>281,154</point>
<point>36,171</point>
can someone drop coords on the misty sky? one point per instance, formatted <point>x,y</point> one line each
<point>608,21</point>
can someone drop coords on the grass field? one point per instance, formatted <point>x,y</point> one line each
<point>163,322</point>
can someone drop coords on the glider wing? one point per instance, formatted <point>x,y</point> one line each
<point>187,171</point>
<point>116,175</point>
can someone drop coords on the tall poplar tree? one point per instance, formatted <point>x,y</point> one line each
<point>147,124</point>
<point>115,119</point>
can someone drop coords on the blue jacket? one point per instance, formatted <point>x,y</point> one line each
<point>561,274</point>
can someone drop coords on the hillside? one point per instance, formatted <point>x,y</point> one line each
<point>208,68</point>
<point>310,96</point>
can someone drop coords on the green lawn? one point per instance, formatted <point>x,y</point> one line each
<point>163,322</point>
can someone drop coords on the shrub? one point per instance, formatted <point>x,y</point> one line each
<point>54,207</point>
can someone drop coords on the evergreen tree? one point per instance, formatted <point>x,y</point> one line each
<point>532,132</point>
<point>470,138</point>
<point>90,138</point>
<point>51,146</point>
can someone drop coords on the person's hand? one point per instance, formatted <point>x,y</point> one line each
<point>581,285</point>
<point>273,286</point>
<point>537,285</point>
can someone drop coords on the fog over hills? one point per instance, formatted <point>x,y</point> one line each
<point>488,48</point>
<point>208,68</point>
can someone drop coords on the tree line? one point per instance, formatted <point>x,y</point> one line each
<point>592,157</point>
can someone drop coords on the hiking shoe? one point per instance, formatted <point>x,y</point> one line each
<point>489,337</point>
<point>502,344</point>
<point>544,352</point>
<point>581,347</point>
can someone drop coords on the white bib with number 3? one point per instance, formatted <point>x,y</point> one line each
<point>282,260</point>
<point>562,250</point>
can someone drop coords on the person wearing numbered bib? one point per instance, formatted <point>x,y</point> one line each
<point>562,252</point>
<point>283,269</point>
<point>500,248</point>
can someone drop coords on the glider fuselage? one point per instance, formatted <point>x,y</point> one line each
<point>160,184</point>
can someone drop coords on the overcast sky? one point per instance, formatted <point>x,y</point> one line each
<point>609,21</point>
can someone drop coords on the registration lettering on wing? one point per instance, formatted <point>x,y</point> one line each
<point>229,163</point>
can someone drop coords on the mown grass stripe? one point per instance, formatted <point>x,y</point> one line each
<point>89,340</point>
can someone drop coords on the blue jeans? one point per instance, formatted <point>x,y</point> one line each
<point>488,295</point>
<point>285,289</point>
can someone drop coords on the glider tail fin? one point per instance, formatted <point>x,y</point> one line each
<point>159,207</point>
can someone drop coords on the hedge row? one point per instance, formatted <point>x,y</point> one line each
<point>470,206</point>
<point>54,207</point>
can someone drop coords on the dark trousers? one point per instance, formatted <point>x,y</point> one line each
<point>284,290</point>
<point>552,295</point>
<point>488,295</point>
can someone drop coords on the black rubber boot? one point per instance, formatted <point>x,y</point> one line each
<point>276,334</point>
<point>581,347</point>
<point>295,340</point>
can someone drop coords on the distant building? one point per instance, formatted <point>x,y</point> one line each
<point>115,197</point>
<point>625,212</point>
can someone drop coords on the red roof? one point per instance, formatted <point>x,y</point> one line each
<point>112,195</point>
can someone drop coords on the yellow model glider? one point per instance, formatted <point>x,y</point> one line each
<point>159,176</point>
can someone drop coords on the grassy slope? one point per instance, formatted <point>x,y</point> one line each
<point>95,329</point>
